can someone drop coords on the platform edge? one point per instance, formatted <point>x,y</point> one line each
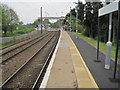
<point>47,74</point>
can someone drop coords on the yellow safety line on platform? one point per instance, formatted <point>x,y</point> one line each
<point>77,59</point>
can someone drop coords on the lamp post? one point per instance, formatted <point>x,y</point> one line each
<point>76,22</point>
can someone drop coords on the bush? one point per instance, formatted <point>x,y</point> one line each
<point>21,32</point>
<point>85,31</point>
<point>24,31</point>
<point>81,28</point>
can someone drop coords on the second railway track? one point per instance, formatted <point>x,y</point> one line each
<point>6,55</point>
<point>26,75</point>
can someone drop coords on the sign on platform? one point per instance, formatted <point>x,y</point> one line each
<point>112,7</point>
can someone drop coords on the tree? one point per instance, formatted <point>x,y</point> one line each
<point>36,23</point>
<point>95,7</point>
<point>88,15</point>
<point>88,18</point>
<point>114,30</point>
<point>91,18</point>
<point>0,18</point>
<point>73,24</point>
<point>56,24</point>
<point>14,20</point>
<point>20,23</point>
<point>9,18</point>
<point>81,11</point>
<point>5,19</point>
<point>46,21</point>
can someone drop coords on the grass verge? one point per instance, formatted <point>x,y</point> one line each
<point>93,42</point>
<point>18,32</point>
<point>14,41</point>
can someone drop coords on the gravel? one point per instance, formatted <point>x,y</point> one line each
<point>27,76</point>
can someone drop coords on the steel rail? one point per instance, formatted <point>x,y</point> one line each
<point>6,81</point>
<point>45,65</point>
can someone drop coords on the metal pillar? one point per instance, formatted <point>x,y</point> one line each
<point>70,19</point>
<point>117,45</point>
<point>109,44</point>
<point>76,22</point>
<point>41,20</point>
<point>98,45</point>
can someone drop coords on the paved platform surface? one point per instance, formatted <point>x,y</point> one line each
<point>100,75</point>
<point>68,69</point>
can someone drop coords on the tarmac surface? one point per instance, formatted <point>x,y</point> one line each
<point>100,75</point>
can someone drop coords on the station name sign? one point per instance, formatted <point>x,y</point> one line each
<point>112,7</point>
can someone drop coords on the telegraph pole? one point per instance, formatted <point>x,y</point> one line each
<point>41,20</point>
<point>70,19</point>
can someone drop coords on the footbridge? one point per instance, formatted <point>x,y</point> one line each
<point>56,18</point>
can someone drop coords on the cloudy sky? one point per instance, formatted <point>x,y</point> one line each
<point>29,10</point>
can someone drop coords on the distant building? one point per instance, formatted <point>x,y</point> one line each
<point>39,27</point>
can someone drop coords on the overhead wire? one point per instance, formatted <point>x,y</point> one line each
<point>68,5</point>
<point>47,5</point>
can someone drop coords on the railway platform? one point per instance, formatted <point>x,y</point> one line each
<point>67,68</point>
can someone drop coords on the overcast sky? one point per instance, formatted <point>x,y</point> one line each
<point>29,10</point>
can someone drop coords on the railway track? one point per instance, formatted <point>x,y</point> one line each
<point>9,47</point>
<point>11,65</point>
<point>8,54</point>
<point>33,69</point>
<point>38,81</point>
<point>14,44</point>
